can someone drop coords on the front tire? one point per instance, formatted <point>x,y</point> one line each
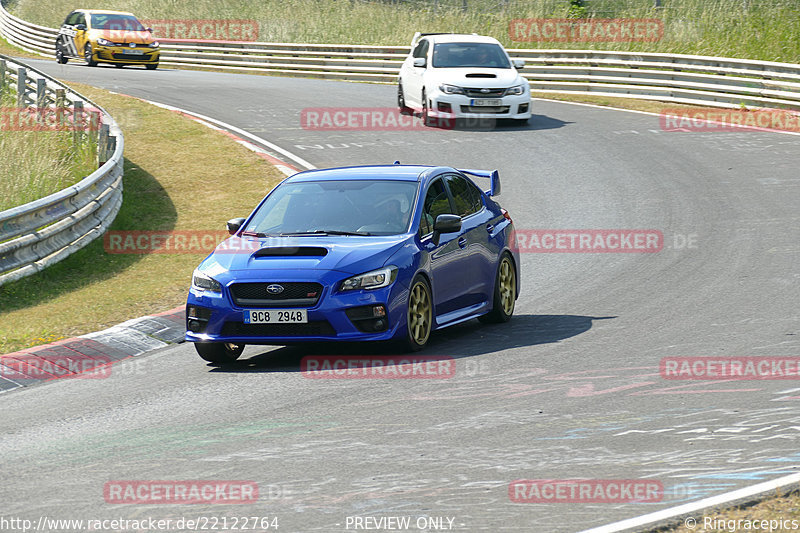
<point>151,66</point>
<point>505,292</point>
<point>419,316</point>
<point>60,57</point>
<point>221,353</point>
<point>87,56</point>
<point>426,119</point>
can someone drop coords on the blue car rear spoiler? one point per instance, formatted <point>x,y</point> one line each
<point>493,175</point>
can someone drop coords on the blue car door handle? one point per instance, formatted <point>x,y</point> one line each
<point>462,242</point>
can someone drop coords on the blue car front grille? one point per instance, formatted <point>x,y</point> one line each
<point>294,294</point>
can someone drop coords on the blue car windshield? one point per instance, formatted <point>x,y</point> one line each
<point>358,207</point>
<point>459,55</point>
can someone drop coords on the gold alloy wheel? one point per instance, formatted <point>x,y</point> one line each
<point>419,313</point>
<point>508,286</point>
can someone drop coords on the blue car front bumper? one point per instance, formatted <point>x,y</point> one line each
<point>336,316</point>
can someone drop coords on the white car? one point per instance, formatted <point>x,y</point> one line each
<point>462,76</point>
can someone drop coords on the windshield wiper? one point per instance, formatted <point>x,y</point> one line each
<point>325,232</point>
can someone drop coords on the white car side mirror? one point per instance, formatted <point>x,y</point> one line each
<point>420,62</point>
<point>518,63</point>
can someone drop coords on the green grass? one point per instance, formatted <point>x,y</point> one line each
<point>756,29</point>
<point>37,163</point>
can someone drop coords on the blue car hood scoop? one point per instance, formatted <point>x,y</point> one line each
<point>291,251</point>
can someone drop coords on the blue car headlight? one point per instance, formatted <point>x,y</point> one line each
<point>374,279</point>
<point>205,283</point>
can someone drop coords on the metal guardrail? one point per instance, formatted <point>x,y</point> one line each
<point>685,79</point>
<point>40,233</point>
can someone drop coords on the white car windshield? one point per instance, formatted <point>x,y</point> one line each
<point>460,55</point>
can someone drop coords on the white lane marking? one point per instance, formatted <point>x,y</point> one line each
<point>721,500</point>
<point>302,162</point>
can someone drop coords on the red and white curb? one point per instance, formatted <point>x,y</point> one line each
<point>85,354</point>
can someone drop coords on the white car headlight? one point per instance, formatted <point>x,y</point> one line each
<point>451,89</point>
<point>204,283</point>
<point>371,280</point>
<point>105,42</point>
<point>519,89</point>
<point>154,44</point>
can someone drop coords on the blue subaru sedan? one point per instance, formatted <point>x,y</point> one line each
<point>370,253</point>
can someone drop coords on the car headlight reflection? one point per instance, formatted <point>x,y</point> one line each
<point>205,283</point>
<point>451,89</point>
<point>371,280</point>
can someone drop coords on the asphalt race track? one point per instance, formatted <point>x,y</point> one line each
<point>570,388</point>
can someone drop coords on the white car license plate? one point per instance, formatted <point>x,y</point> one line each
<point>275,316</point>
<point>132,52</point>
<point>485,102</point>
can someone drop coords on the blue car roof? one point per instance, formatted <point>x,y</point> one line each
<point>381,172</point>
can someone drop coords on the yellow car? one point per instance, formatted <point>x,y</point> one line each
<point>112,37</point>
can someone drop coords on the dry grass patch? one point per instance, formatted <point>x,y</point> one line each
<point>783,511</point>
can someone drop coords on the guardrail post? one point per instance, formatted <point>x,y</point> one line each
<point>22,75</point>
<point>102,146</point>
<point>41,98</point>
<point>61,108</point>
<point>77,121</point>
<point>93,126</point>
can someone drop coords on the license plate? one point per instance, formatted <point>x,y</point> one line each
<point>485,102</point>
<point>133,52</point>
<point>275,316</point>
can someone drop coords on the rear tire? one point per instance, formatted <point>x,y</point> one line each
<point>419,315</point>
<point>87,56</point>
<point>221,353</point>
<point>401,101</point>
<point>505,292</point>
